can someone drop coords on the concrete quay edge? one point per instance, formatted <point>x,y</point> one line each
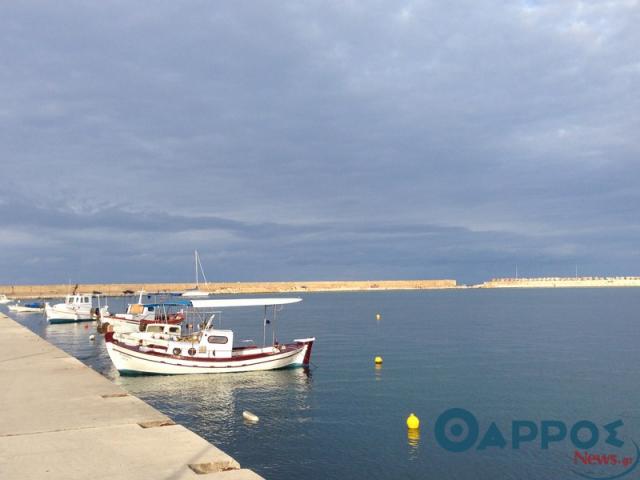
<point>59,419</point>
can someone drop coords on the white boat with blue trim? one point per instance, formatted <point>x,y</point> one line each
<point>167,349</point>
<point>33,307</point>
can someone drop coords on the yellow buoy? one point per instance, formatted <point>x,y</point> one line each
<point>413,422</point>
<point>378,360</point>
<point>378,316</point>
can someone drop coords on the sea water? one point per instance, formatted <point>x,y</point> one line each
<point>535,355</point>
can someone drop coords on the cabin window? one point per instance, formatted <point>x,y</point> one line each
<point>219,339</point>
<point>173,330</point>
<point>85,299</point>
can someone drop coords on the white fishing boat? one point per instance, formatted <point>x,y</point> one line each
<point>167,349</point>
<point>76,308</point>
<point>34,307</point>
<point>196,292</point>
<point>3,299</point>
<point>139,315</point>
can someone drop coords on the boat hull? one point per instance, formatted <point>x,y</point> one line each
<point>130,325</point>
<point>57,315</point>
<point>130,360</point>
<point>22,309</point>
<point>57,321</point>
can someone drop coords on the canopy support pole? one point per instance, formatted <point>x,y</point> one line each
<point>264,328</point>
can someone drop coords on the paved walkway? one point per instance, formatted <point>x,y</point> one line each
<point>59,419</point>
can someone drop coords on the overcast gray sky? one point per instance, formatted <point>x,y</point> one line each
<point>318,140</point>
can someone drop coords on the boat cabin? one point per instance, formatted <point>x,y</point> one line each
<point>81,299</point>
<point>219,343</point>
<point>207,343</point>
<point>164,329</point>
<point>139,311</point>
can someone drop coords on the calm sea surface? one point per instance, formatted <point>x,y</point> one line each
<point>504,355</point>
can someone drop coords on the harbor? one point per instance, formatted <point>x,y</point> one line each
<point>379,356</point>
<point>63,420</point>
<point>319,240</point>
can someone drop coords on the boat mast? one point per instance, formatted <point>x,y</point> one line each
<point>199,270</point>
<point>196,262</point>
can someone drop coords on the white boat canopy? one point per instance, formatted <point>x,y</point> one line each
<point>243,302</point>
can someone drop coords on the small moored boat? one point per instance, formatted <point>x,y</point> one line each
<point>139,315</point>
<point>166,349</point>
<point>4,299</point>
<point>33,307</point>
<point>76,308</point>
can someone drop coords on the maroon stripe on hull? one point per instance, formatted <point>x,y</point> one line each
<point>290,348</point>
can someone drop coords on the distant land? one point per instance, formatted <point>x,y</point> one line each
<point>561,282</point>
<point>118,289</point>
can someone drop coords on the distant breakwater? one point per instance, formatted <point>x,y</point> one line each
<point>231,288</point>
<point>119,289</point>
<point>561,282</point>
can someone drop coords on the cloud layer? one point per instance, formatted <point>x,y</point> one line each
<point>318,140</point>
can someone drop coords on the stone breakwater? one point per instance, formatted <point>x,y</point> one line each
<point>116,289</point>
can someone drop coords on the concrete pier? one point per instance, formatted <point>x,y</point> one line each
<point>59,419</point>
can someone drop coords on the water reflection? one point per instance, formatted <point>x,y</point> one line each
<point>213,404</point>
<point>217,387</point>
<point>378,372</point>
<point>413,439</point>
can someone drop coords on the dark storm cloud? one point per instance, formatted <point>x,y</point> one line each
<point>319,139</point>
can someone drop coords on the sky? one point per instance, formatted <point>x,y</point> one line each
<point>318,140</point>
